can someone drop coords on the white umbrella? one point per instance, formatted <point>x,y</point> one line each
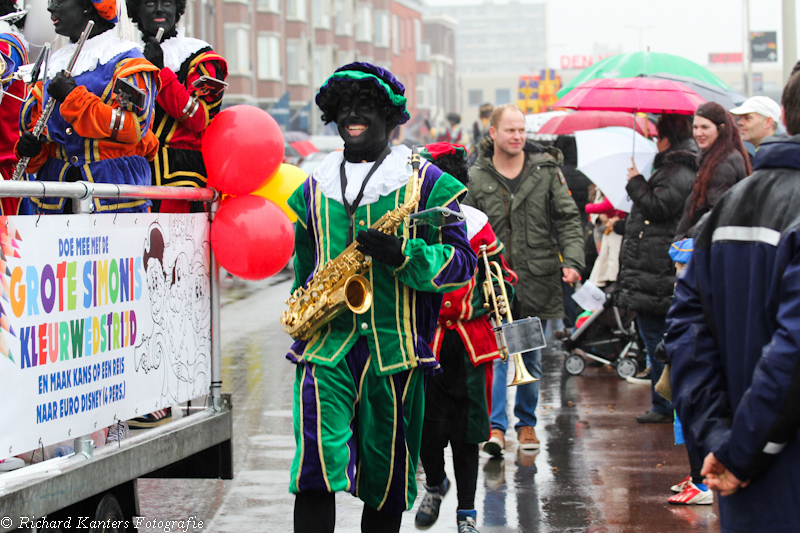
<point>536,120</point>
<point>604,155</point>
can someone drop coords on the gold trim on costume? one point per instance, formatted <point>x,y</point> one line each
<point>320,446</point>
<point>394,437</point>
<point>302,428</point>
<point>405,443</point>
<point>446,264</point>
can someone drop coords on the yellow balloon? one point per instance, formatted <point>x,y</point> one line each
<point>281,186</point>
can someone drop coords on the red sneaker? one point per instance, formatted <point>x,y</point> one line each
<point>680,487</point>
<point>692,495</point>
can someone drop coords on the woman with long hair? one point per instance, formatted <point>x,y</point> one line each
<point>722,159</point>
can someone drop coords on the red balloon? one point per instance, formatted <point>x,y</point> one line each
<point>242,149</point>
<point>252,237</point>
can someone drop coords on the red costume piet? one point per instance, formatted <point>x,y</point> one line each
<point>457,401</point>
<point>183,112</point>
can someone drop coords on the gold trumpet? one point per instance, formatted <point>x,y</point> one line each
<point>500,309</point>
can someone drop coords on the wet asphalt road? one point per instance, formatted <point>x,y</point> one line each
<point>597,470</point>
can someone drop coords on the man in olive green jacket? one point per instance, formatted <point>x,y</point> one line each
<point>519,186</point>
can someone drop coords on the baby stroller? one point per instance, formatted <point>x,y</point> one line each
<point>608,336</point>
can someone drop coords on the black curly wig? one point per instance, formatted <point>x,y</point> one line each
<point>456,165</point>
<point>348,90</point>
<point>9,6</point>
<point>133,10</point>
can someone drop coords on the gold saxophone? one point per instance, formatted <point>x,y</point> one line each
<point>340,283</point>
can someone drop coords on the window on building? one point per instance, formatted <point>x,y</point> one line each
<point>395,35</point>
<point>379,29</point>
<point>297,59</point>
<point>364,29</point>
<point>296,10</point>
<point>321,13</point>
<point>403,44</point>
<point>188,18</point>
<point>422,91</point>
<point>237,48</point>
<point>418,47</point>
<point>474,97</point>
<point>317,71</point>
<point>339,12</point>
<point>345,57</point>
<point>324,64</point>
<point>291,61</point>
<point>344,17</point>
<point>268,48</point>
<point>268,6</point>
<point>382,30</point>
<point>502,96</point>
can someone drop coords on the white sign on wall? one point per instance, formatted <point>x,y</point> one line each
<point>102,318</point>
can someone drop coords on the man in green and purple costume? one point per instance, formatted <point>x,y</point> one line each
<point>359,388</point>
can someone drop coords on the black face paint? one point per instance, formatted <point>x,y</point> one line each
<point>155,14</point>
<point>68,17</point>
<point>362,126</point>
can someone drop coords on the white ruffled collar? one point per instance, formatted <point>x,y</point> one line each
<point>393,173</point>
<point>98,50</point>
<point>476,220</point>
<point>178,49</point>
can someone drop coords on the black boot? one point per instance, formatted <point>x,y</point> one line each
<point>314,512</point>
<point>373,521</point>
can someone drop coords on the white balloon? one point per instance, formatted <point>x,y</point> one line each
<point>39,27</point>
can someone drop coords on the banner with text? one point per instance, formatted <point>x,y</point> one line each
<point>103,318</point>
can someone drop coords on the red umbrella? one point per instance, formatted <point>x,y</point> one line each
<point>632,95</point>
<point>592,120</point>
<point>304,148</point>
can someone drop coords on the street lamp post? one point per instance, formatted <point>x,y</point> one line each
<point>789,16</point>
<point>747,63</point>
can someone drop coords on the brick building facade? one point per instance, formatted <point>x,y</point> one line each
<point>275,46</point>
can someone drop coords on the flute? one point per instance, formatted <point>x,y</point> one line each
<point>38,128</point>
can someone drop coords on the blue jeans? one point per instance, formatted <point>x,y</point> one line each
<point>652,329</point>
<point>527,395</point>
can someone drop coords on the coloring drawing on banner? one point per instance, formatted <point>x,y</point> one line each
<point>9,247</point>
<point>178,347</point>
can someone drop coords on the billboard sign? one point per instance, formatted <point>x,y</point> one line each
<point>725,58</point>
<point>103,318</point>
<point>763,47</point>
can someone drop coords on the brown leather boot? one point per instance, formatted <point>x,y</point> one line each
<point>496,443</point>
<point>526,436</point>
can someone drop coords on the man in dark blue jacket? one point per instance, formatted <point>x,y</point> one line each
<point>734,340</point>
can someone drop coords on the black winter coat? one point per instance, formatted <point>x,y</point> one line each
<point>729,172</point>
<point>647,274</point>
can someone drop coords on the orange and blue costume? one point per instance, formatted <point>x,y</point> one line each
<point>90,136</point>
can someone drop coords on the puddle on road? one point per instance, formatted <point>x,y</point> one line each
<point>595,471</point>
